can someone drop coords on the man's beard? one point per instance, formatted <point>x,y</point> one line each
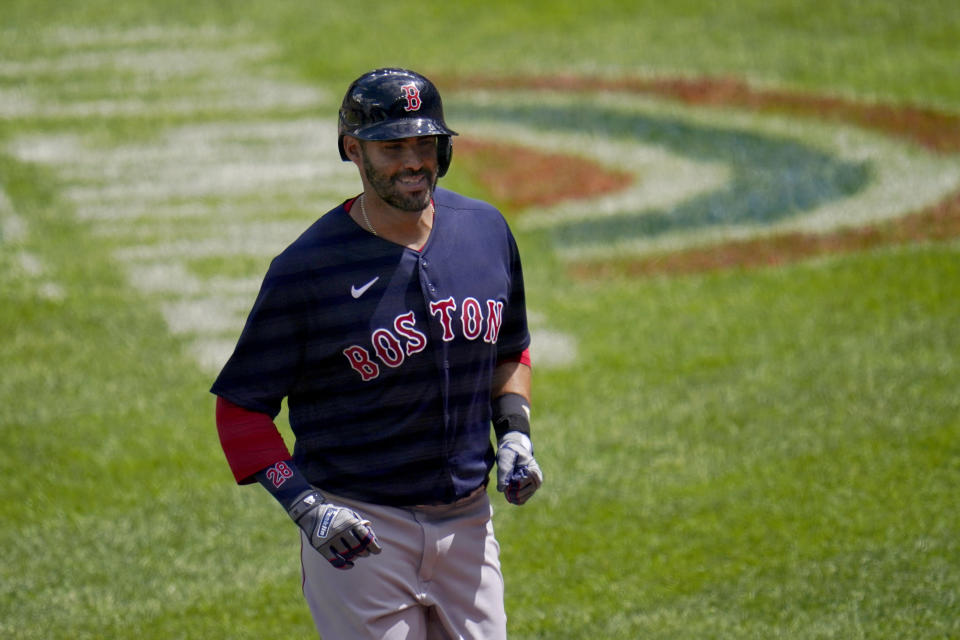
<point>384,186</point>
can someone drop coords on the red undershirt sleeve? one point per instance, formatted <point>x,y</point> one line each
<point>523,358</point>
<point>250,440</point>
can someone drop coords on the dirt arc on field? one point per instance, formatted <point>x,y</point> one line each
<point>513,173</point>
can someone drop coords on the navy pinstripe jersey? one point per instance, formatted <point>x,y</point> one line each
<point>385,354</point>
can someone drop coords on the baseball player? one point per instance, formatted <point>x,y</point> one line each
<point>395,327</point>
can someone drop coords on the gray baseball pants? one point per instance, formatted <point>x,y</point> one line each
<point>438,576</point>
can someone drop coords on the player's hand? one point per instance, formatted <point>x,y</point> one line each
<point>518,474</point>
<point>338,533</point>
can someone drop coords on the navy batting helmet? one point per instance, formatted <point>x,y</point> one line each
<point>388,104</point>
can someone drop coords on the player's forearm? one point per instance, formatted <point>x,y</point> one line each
<point>284,482</point>
<point>511,377</point>
<point>510,398</point>
<point>250,440</point>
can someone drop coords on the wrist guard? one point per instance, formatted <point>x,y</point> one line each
<point>511,412</point>
<point>303,504</point>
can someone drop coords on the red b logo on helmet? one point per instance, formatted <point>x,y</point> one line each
<point>412,94</point>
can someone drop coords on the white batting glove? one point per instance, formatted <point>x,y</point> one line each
<point>338,533</point>
<point>518,474</point>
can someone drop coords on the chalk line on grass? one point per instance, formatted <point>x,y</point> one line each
<point>13,228</point>
<point>194,190</point>
<point>14,232</point>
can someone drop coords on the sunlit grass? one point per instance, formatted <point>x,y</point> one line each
<point>746,454</point>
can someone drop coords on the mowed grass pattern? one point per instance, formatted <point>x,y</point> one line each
<point>236,175</point>
<point>774,459</point>
<point>746,454</point>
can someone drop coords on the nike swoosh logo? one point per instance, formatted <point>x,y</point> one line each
<point>356,292</point>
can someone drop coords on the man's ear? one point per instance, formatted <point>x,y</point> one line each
<point>351,147</point>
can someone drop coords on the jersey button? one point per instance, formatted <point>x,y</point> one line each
<point>424,264</point>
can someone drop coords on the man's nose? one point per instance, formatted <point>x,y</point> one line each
<point>414,156</point>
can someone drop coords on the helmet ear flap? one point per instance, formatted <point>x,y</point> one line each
<point>444,154</point>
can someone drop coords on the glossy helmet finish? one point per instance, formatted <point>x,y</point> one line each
<point>389,104</point>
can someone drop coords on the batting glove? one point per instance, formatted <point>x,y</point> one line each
<point>339,534</point>
<point>518,474</point>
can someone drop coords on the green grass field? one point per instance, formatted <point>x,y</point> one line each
<point>743,453</point>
